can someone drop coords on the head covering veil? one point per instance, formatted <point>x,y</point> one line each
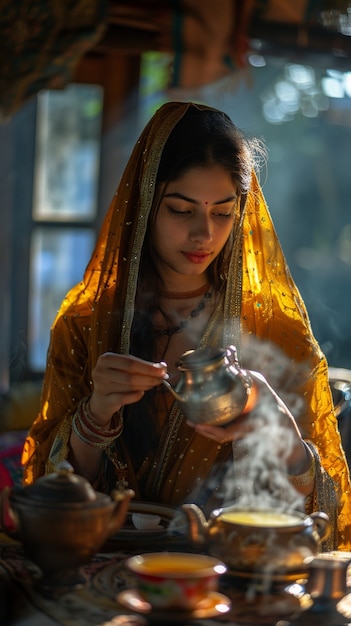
<point>113,267</point>
<point>261,297</point>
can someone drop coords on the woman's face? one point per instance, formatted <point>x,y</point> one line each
<point>193,223</point>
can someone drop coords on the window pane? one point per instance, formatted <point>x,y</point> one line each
<point>58,259</point>
<point>67,153</point>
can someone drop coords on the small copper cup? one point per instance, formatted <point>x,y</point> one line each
<point>327,576</point>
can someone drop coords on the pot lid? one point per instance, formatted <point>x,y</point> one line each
<point>60,487</point>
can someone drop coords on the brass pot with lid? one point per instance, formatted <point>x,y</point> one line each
<point>62,522</point>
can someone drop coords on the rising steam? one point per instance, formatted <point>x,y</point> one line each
<point>258,477</point>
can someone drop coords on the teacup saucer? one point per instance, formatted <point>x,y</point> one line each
<point>213,605</point>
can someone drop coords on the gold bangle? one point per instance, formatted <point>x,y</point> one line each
<point>302,480</point>
<point>92,433</point>
<point>94,427</point>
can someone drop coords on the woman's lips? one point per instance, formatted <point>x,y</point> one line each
<point>196,257</point>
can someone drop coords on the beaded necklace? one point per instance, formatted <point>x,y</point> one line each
<point>184,322</point>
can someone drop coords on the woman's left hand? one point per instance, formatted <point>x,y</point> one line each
<point>248,422</point>
<point>233,431</point>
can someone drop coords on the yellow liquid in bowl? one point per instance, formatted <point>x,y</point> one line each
<point>260,518</point>
<point>173,564</point>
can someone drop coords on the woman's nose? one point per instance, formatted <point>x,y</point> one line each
<point>201,229</point>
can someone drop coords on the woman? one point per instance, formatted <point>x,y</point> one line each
<point>187,257</point>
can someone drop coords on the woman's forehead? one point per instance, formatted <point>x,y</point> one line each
<point>212,180</point>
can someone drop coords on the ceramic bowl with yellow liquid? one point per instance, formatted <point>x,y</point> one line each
<point>175,580</point>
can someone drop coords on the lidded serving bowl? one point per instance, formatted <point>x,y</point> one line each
<point>261,545</point>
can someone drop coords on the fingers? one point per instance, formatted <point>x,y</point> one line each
<point>126,373</point>
<point>121,379</point>
<point>223,434</point>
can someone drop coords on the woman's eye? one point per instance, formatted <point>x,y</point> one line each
<point>177,211</point>
<point>223,215</point>
<point>187,212</point>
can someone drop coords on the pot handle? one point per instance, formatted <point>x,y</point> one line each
<point>197,524</point>
<point>322,524</point>
<point>121,499</point>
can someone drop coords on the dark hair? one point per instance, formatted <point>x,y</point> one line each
<point>204,137</point>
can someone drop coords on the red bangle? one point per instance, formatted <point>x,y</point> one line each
<point>89,432</point>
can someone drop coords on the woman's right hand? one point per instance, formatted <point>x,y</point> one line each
<point>120,379</point>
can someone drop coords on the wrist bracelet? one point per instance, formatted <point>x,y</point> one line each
<point>91,433</point>
<point>95,428</point>
<point>302,480</point>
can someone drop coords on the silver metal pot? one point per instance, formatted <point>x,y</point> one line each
<point>212,389</point>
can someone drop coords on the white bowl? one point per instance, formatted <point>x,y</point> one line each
<point>146,521</point>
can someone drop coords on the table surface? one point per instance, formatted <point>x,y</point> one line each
<point>24,602</point>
